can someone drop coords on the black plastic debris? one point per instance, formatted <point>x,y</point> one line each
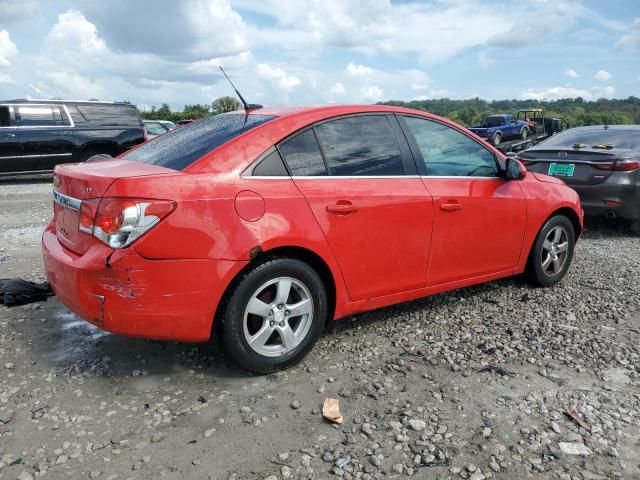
<point>15,291</point>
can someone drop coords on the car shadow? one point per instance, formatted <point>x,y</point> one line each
<point>599,227</point>
<point>23,179</point>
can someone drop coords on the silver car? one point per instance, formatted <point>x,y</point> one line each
<point>600,162</point>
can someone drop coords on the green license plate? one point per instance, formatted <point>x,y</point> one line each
<point>562,169</point>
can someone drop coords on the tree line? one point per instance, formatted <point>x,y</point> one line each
<point>574,112</point>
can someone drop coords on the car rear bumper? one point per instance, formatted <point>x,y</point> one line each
<point>608,199</point>
<point>124,293</point>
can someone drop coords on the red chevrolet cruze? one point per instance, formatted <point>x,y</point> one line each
<point>262,227</point>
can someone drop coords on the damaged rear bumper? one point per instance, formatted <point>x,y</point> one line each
<point>124,293</point>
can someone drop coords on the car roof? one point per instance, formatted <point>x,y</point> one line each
<point>607,127</point>
<point>87,102</point>
<point>331,110</point>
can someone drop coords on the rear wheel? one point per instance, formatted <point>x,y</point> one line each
<point>274,316</point>
<point>497,138</point>
<point>552,251</point>
<point>524,134</point>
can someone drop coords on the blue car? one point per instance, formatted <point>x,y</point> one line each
<point>497,128</point>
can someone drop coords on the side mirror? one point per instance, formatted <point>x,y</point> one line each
<point>513,169</point>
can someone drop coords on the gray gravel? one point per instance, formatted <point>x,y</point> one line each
<point>474,384</point>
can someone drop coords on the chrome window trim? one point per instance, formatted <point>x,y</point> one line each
<point>39,156</point>
<point>462,176</point>
<point>66,200</point>
<point>328,177</point>
<point>39,127</point>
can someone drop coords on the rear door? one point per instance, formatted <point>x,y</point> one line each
<point>45,134</point>
<point>10,155</point>
<point>360,181</point>
<point>479,218</point>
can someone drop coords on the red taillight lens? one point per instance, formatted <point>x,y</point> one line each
<point>624,165</point>
<point>118,222</point>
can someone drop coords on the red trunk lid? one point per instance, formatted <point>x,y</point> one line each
<point>75,182</point>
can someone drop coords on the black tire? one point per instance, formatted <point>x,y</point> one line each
<point>497,139</point>
<point>539,255</point>
<point>92,152</point>
<point>524,134</point>
<point>234,341</point>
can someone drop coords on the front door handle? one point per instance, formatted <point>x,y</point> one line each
<point>450,207</point>
<point>342,207</point>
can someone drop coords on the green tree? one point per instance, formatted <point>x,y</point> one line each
<point>225,104</point>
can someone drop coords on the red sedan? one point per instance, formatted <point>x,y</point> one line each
<point>262,227</point>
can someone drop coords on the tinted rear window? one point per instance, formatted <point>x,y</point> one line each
<point>181,147</point>
<point>110,115</point>
<point>617,138</point>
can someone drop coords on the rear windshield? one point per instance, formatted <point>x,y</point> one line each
<point>628,139</point>
<point>181,147</point>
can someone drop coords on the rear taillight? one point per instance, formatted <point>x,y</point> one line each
<point>624,165</point>
<point>119,221</point>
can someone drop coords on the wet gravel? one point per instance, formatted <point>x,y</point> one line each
<point>497,381</point>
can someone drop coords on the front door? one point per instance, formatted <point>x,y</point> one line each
<point>479,217</point>
<point>362,187</point>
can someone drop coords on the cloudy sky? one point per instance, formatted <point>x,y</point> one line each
<point>318,51</point>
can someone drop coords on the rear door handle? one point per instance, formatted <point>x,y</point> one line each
<point>450,207</point>
<point>342,208</point>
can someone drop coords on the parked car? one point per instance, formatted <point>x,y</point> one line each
<point>263,227</point>
<point>35,136</point>
<point>600,162</point>
<point>496,128</point>
<point>154,128</point>
<point>185,122</point>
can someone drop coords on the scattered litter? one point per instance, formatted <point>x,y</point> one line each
<point>331,410</point>
<point>7,418</point>
<point>15,291</point>
<point>4,258</point>
<point>435,463</point>
<point>574,448</point>
<point>343,462</point>
<point>496,369</point>
<point>577,419</point>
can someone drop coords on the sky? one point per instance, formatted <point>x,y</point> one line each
<point>318,51</point>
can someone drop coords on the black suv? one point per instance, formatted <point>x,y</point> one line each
<point>35,136</point>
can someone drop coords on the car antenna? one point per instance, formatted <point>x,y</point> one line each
<point>247,106</point>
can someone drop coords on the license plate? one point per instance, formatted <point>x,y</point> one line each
<point>562,169</point>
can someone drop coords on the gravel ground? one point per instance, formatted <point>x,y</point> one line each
<point>473,384</point>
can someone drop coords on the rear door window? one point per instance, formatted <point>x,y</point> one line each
<point>181,147</point>
<point>35,115</point>
<point>447,152</point>
<point>360,146</point>
<point>6,116</point>
<point>109,115</point>
<point>303,155</point>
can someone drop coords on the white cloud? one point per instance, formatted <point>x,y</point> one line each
<point>373,93</point>
<point>420,86</point>
<point>8,49</point>
<point>354,70</point>
<point>337,89</point>
<point>485,60</point>
<point>602,75</point>
<point>631,40</point>
<point>6,78</point>
<point>555,93</point>
<point>570,72</point>
<point>14,11</point>
<point>278,77</point>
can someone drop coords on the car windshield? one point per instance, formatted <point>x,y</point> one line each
<point>494,121</point>
<point>154,128</point>
<point>599,138</point>
<point>179,148</point>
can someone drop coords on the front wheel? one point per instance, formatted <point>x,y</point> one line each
<point>552,251</point>
<point>274,316</point>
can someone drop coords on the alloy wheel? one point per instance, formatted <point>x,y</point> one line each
<point>554,250</point>
<point>278,316</point>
